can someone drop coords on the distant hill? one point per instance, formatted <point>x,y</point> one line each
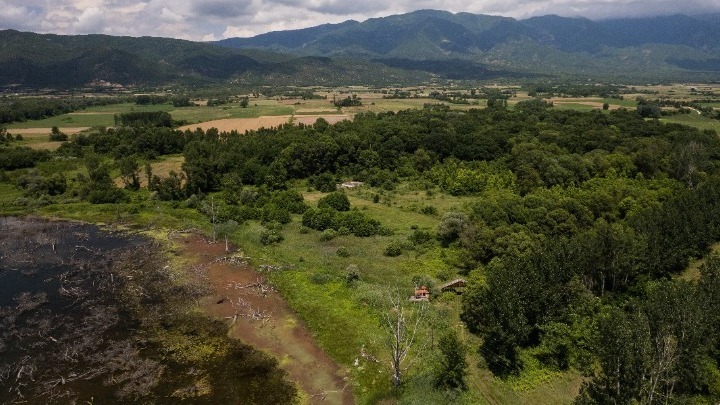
<point>39,60</point>
<point>657,47</point>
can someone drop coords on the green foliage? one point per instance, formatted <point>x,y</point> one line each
<point>451,226</point>
<point>98,187</point>
<point>428,210</point>
<point>270,236</point>
<point>324,182</point>
<point>342,251</point>
<point>337,201</point>
<point>352,274</point>
<point>348,101</point>
<point>129,172</point>
<point>453,366</point>
<point>168,188</point>
<point>57,136</point>
<point>326,218</point>
<point>36,185</point>
<point>146,119</point>
<point>462,178</point>
<point>421,237</point>
<point>394,249</point>
<point>328,235</point>
<point>272,212</point>
<point>19,109</point>
<point>12,158</point>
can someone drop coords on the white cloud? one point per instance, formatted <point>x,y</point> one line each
<point>91,20</point>
<point>214,19</point>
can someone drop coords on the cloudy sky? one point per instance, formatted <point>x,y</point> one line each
<point>217,19</point>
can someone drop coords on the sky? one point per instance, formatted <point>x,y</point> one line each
<point>207,20</point>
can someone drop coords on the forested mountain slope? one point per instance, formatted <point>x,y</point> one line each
<point>660,46</point>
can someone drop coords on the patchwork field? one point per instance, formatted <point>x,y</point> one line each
<point>251,124</point>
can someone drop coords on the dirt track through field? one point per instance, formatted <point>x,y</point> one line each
<point>251,124</point>
<point>278,331</point>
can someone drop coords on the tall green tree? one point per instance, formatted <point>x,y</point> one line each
<point>453,364</point>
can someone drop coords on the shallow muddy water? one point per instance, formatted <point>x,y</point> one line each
<point>91,316</point>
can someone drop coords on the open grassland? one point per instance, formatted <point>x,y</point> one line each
<point>694,120</point>
<point>39,138</point>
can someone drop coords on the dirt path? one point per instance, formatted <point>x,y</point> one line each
<point>277,331</point>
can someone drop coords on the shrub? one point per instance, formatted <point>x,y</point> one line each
<point>421,236</point>
<point>290,200</point>
<point>452,224</point>
<point>428,210</point>
<point>319,219</point>
<point>385,231</point>
<point>270,236</point>
<point>342,251</point>
<point>59,137</point>
<point>321,278</point>
<point>353,274</point>
<point>327,235</point>
<point>394,249</point>
<point>275,213</point>
<point>324,182</point>
<point>336,200</point>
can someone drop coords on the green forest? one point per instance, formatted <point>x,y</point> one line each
<point>575,231</point>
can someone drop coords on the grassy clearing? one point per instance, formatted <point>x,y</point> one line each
<point>694,120</point>
<point>346,317</point>
<point>256,108</point>
<point>692,273</point>
<point>575,106</point>
<point>39,141</point>
<point>68,120</point>
<point>628,103</point>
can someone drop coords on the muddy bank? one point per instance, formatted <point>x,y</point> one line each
<point>259,316</point>
<point>89,316</point>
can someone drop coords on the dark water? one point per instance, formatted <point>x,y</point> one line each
<point>90,316</point>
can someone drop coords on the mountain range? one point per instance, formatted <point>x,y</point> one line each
<point>400,49</point>
<point>548,44</point>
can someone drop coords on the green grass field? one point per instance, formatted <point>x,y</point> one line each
<point>694,120</point>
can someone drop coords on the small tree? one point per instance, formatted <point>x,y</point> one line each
<point>129,172</point>
<point>226,229</point>
<point>57,136</point>
<point>211,210</point>
<point>401,326</point>
<point>453,365</point>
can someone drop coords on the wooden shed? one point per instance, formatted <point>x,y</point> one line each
<point>457,286</point>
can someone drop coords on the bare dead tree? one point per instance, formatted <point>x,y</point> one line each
<point>402,325</point>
